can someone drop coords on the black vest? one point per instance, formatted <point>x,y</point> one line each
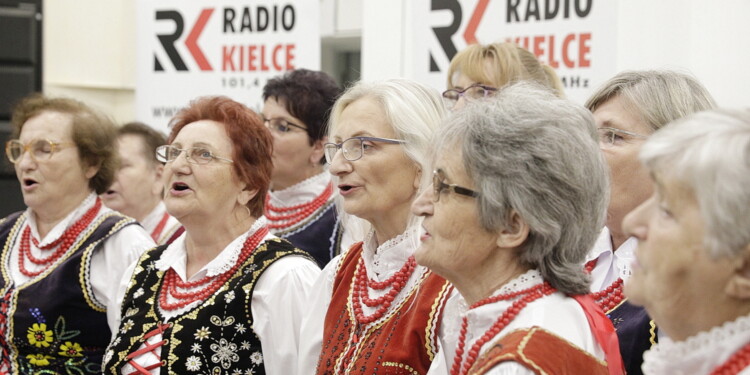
<point>53,324</point>
<point>319,234</point>
<point>215,337</point>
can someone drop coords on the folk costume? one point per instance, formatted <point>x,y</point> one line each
<point>55,289</point>
<point>375,310</point>
<point>162,227</point>
<point>240,313</point>
<point>609,269</point>
<point>305,215</point>
<point>721,350</point>
<point>526,327</point>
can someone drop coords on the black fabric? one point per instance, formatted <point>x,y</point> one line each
<point>634,332</point>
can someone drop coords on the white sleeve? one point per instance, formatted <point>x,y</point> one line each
<point>114,306</point>
<point>509,368</point>
<point>311,335</point>
<point>108,266</point>
<point>278,305</point>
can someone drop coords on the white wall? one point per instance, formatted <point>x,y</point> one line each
<point>89,45</point>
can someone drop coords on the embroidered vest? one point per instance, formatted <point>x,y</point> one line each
<point>636,333</point>
<point>215,337</point>
<point>404,341</point>
<point>319,234</point>
<point>541,352</point>
<point>53,323</point>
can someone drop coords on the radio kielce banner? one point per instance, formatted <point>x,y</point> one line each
<point>577,38</point>
<point>190,48</point>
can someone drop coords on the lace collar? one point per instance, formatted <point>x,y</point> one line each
<point>526,280</point>
<point>382,261</point>
<point>58,230</point>
<point>175,256</point>
<point>301,192</point>
<point>698,354</point>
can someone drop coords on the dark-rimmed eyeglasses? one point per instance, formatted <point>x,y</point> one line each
<point>438,183</point>
<point>354,147</point>
<point>475,91</point>
<point>280,125</point>
<point>194,155</point>
<point>41,149</point>
<point>611,136</point>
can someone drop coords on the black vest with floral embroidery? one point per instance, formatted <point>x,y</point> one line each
<point>216,337</point>
<point>53,324</point>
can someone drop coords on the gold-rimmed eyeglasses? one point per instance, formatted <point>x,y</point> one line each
<point>41,149</point>
<point>194,155</point>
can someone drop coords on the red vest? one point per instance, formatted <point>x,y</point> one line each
<point>541,352</point>
<point>403,341</point>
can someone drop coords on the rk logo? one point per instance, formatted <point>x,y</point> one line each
<point>169,41</point>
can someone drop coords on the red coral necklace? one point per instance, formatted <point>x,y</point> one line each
<point>62,244</point>
<point>360,293</point>
<point>284,217</point>
<point>210,283</point>
<point>609,297</point>
<point>736,363</point>
<point>524,296</point>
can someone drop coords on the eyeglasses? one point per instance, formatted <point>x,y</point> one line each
<point>353,148</point>
<point>280,125</point>
<point>611,136</point>
<point>438,183</point>
<point>195,155</point>
<point>41,149</point>
<point>475,91</point>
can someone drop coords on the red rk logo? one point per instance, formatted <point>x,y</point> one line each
<point>168,41</point>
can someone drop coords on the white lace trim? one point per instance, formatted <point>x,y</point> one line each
<point>390,256</point>
<point>302,192</point>
<point>706,349</point>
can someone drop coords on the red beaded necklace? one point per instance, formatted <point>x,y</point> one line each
<point>525,297</point>
<point>736,363</point>
<point>284,217</point>
<point>360,292</point>
<point>609,297</point>
<point>212,283</point>
<point>160,227</point>
<point>63,243</point>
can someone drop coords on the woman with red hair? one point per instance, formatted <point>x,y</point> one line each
<point>226,296</point>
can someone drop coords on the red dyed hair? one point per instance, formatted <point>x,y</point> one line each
<point>251,141</point>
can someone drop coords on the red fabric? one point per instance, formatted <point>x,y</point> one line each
<point>541,352</point>
<point>604,332</point>
<point>404,342</point>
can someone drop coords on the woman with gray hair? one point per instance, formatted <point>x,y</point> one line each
<point>628,109</point>
<point>518,196</point>
<point>692,264</point>
<point>374,309</point>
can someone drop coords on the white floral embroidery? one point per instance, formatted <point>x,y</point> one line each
<point>127,326</point>
<point>250,372</point>
<point>245,345</point>
<point>195,348</point>
<point>202,333</point>
<point>108,355</point>
<point>138,292</point>
<point>229,297</point>
<point>257,358</point>
<point>237,372</point>
<point>193,363</point>
<point>240,327</point>
<point>131,311</point>
<point>225,353</point>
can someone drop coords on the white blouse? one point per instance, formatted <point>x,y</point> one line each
<point>381,262</point>
<point>302,192</point>
<point>610,264</point>
<point>556,313</point>
<point>699,354</point>
<point>278,302</point>
<point>153,219</point>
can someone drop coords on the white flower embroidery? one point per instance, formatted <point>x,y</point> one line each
<point>237,372</point>
<point>225,353</point>
<point>240,327</point>
<point>257,358</point>
<point>245,345</point>
<point>193,363</point>
<point>195,348</point>
<point>127,326</point>
<point>202,333</point>
<point>108,355</point>
<point>229,297</point>
<point>138,293</point>
<point>250,372</point>
<point>131,311</point>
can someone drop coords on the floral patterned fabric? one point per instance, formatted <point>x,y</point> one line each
<point>216,337</point>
